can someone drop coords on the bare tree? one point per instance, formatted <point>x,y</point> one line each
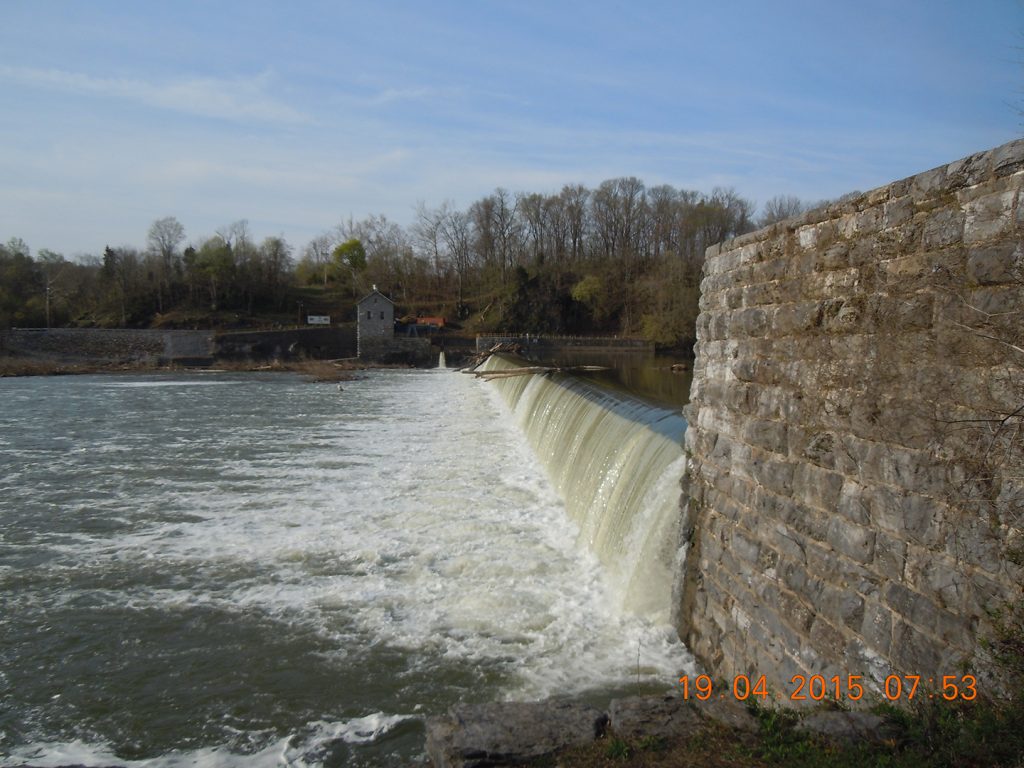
<point>780,208</point>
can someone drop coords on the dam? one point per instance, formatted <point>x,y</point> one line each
<point>331,568</point>
<point>616,462</point>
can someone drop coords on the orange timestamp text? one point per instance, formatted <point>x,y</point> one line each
<point>835,688</point>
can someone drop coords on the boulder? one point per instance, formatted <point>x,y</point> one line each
<point>654,716</point>
<point>506,733</point>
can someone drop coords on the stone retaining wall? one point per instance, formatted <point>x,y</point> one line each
<point>857,485</point>
<point>484,342</point>
<point>108,345</point>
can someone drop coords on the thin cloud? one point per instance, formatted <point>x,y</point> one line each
<point>240,98</point>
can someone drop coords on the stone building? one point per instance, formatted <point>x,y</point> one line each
<point>376,322</point>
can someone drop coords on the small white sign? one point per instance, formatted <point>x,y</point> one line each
<point>318,319</point>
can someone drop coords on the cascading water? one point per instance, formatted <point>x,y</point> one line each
<point>617,463</point>
<point>441,361</point>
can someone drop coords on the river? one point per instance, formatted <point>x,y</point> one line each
<point>244,569</point>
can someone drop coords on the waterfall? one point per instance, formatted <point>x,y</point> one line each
<point>617,464</point>
<point>440,360</point>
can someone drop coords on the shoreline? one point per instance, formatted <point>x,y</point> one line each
<point>319,370</point>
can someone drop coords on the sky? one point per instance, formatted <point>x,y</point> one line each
<point>299,115</point>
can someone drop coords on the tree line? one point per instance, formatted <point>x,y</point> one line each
<point>620,258</point>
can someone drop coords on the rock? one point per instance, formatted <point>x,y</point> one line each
<point>849,727</point>
<point>656,716</point>
<point>506,733</point>
<point>730,713</point>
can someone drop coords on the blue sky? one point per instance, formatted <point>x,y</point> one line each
<point>298,115</point>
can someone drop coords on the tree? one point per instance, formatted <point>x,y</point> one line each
<point>315,264</point>
<point>215,264</point>
<point>276,268</point>
<point>165,235</point>
<point>455,230</point>
<point>19,282</point>
<point>350,257</point>
<point>780,208</point>
<point>52,266</point>
<point>121,271</point>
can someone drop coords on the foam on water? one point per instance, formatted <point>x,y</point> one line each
<point>272,570</point>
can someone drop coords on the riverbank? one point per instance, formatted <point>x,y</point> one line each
<point>317,370</point>
<point>668,732</point>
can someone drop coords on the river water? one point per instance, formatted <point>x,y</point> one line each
<point>242,569</point>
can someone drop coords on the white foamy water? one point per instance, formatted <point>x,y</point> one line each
<point>274,572</point>
<point>617,463</point>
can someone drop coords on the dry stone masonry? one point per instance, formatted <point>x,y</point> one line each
<point>855,499</point>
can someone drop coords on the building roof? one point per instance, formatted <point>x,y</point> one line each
<point>373,293</point>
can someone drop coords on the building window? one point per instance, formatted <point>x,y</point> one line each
<point>369,315</point>
<point>382,315</point>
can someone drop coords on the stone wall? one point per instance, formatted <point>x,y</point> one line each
<point>108,345</point>
<point>855,499</point>
<point>611,343</point>
<point>399,351</point>
<point>295,343</point>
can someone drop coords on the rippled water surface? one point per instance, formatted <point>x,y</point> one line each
<point>213,569</point>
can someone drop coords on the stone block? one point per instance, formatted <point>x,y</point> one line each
<point>1007,159</point>
<point>750,253</point>
<point>975,541</point>
<point>776,476</point>
<point>785,618</point>
<point>801,581</point>
<point>995,264</point>
<point>786,541</point>
<point>854,541</point>
<point>930,184</point>
<point>761,294</point>
<point>819,448</point>
<point>988,594</point>
<point>769,271</point>
<point>876,627</point>
<point>851,609</point>
<point>807,236</point>
<point>914,470</point>
<point>940,577</point>
<point>914,652</point>
<point>944,227</point>
<point>851,504</point>
<point>733,298</point>
<point>752,321</point>
<point>996,300</point>
<point>898,211</point>
<point>953,629</point>
<point>890,555</point>
<point>744,546</point>
<point>827,641</point>
<point>923,613</point>
<point>816,486</point>
<point>971,170</point>
<point>989,217</point>
<point>768,435</point>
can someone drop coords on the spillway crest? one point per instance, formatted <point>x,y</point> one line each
<point>617,464</point>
